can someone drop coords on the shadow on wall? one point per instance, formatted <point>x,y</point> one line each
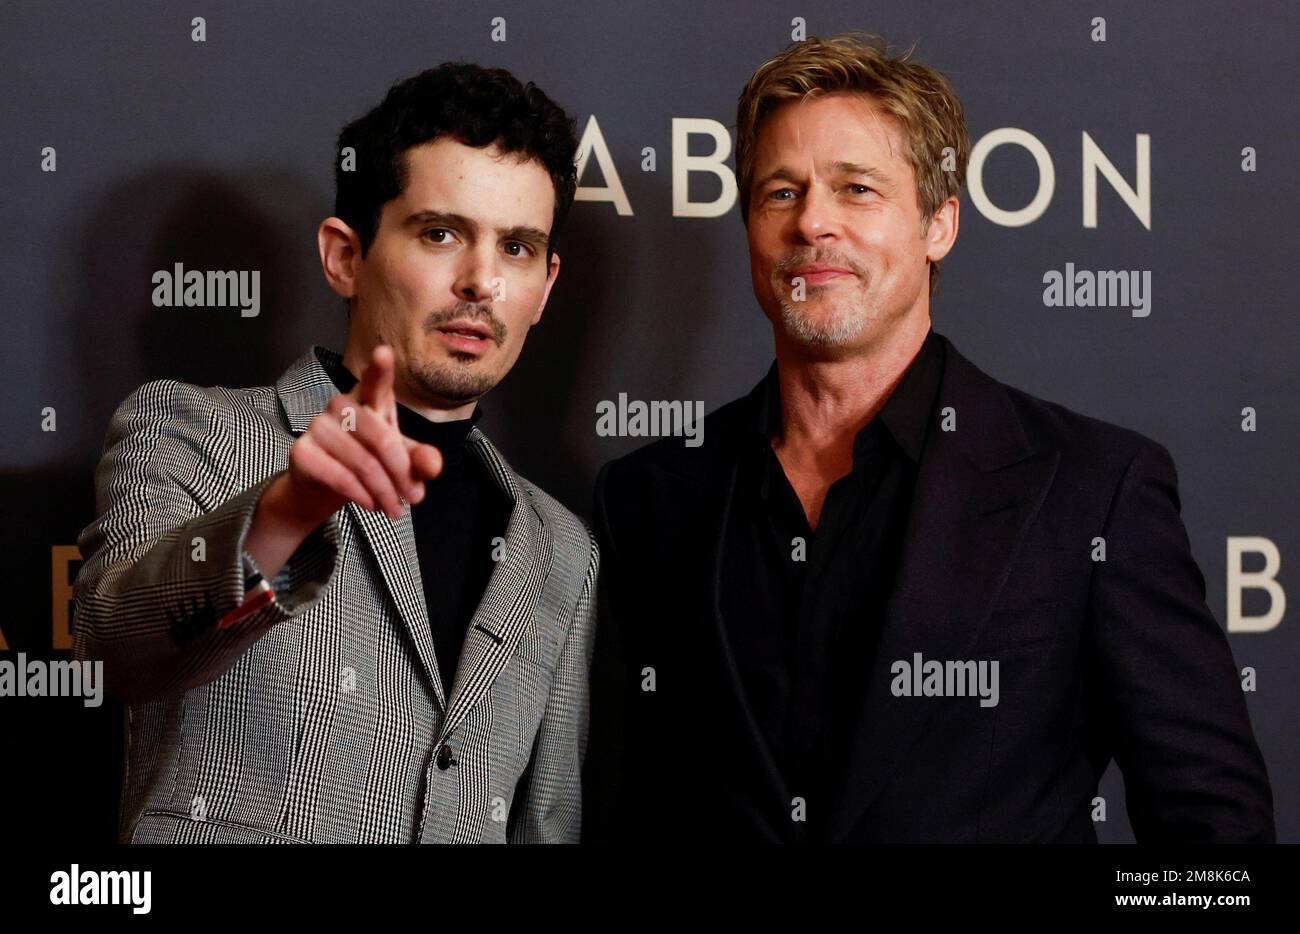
<point>146,223</point>
<point>528,413</point>
<point>264,221</point>
<point>621,318</point>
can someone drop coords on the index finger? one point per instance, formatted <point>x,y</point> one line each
<point>376,387</point>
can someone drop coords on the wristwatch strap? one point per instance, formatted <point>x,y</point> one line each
<point>257,593</point>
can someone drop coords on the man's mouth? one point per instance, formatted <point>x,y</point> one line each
<point>468,329</point>
<point>466,336</point>
<point>814,274</point>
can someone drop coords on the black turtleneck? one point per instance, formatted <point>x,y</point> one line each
<point>463,510</point>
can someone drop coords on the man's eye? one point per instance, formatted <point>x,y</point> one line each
<point>438,234</point>
<point>515,248</point>
<point>859,189</point>
<point>777,195</point>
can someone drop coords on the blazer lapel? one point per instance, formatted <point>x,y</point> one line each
<point>392,543</point>
<point>717,481</point>
<point>510,600</point>
<point>977,490</point>
<point>305,389</point>
<point>722,485</point>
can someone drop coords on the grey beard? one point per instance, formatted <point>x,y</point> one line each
<point>842,328</point>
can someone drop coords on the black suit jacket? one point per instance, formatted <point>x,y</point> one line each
<point>1097,660</point>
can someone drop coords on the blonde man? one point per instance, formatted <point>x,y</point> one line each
<point>866,610</point>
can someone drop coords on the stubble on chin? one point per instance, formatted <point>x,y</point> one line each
<point>848,317</point>
<point>459,379</point>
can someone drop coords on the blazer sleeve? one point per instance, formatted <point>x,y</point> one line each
<point>163,561</point>
<point>552,796</point>
<point>1170,692</point>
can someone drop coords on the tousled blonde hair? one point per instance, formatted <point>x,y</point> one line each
<point>918,97</point>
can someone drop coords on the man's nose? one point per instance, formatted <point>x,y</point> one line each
<point>817,219</point>
<point>474,277</point>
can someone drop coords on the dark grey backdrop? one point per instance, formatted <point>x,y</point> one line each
<point>219,155</point>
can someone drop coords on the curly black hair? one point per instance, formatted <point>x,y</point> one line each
<point>475,105</point>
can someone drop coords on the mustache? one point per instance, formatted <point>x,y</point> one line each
<point>797,258</point>
<point>467,311</point>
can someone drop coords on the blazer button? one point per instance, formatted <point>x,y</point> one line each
<point>445,759</point>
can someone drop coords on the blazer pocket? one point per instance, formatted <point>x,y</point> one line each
<point>535,672</point>
<point>161,826</point>
<point>538,646</point>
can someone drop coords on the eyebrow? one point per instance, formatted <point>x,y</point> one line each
<point>841,167</point>
<point>521,232</point>
<point>856,168</point>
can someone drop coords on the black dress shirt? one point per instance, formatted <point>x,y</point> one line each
<point>462,512</point>
<point>802,619</point>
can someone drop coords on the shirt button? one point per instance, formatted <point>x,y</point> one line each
<point>445,758</point>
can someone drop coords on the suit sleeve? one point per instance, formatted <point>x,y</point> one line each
<point>163,560</point>
<point>552,803</point>
<point>1170,690</point>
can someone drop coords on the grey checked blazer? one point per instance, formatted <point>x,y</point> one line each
<point>319,717</point>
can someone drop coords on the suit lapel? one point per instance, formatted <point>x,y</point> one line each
<point>392,543</point>
<point>724,483</point>
<point>305,389</point>
<point>717,483</point>
<point>977,489</point>
<point>510,600</point>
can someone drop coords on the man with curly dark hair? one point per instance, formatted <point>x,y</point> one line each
<point>335,612</point>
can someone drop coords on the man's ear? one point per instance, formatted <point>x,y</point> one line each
<point>551,275</point>
<point>340,255</point>
<point>943,230</point>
